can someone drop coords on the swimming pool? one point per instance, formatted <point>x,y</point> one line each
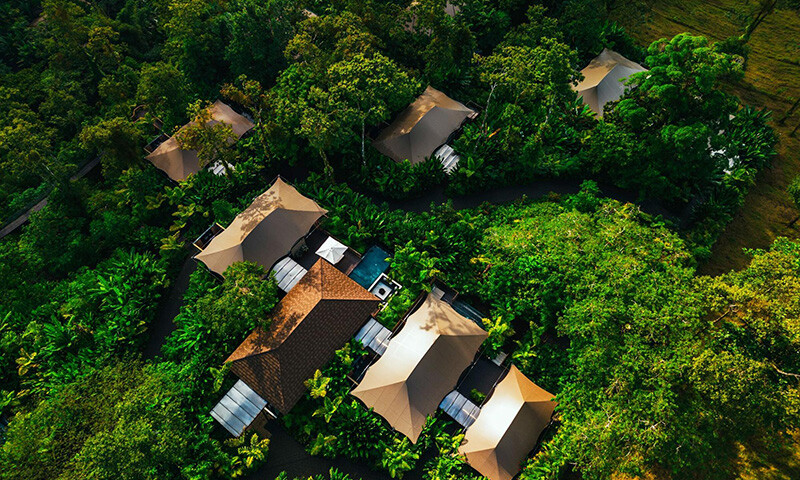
<point>372,265</point>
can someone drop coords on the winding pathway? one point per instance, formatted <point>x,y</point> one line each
<point>538,189</point>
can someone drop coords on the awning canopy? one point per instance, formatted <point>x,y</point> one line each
<point>603,79</point>
<point>420,366</point>
<point>238,408</point>
<point>374,336</point>
<point>508,427</point>
<point>288,273</point>
<point>422,127</point>
<point>265,231</point>
<point>179,164</point>
<point>332,250</point>
<point>460,408</point>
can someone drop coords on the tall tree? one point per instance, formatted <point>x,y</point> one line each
<point>163,89</point>
<point>339,83</point>
<point>128,421</point>
<point>195,40</point>
<point>259,33</point>
<point>117,139</point>
<point>211,140</point>
<point>675,112</point>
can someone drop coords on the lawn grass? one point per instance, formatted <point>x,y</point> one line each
<point>772,80</point>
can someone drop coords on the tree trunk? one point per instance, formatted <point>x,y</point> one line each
<point>328,168</point>
<point>791,224</point>
<point>363,157</point>
<point>50,176</point>
<point>486,108</point>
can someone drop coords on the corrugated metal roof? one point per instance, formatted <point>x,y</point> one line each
<point>460,408</point>
<point>288,273</point>
<point>375,336</point>
<point>238,408</point>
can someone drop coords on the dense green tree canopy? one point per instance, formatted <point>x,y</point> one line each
<point>126,421</point>
<point>658,372</point>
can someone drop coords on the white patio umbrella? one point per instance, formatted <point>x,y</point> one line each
<point>332,250</point>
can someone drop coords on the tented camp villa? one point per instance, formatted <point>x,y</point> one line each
<point>420,366</point>
<point>508,427</point>
<point>429,363</point>
<point>178,164</point>
<point>265,231</point>
<point>423,129</point>
<point>603,80</point>
<point>319,315</point>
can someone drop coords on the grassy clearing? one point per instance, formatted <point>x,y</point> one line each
<point>772,80</point>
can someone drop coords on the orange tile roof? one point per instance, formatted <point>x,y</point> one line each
<point>317,317</point>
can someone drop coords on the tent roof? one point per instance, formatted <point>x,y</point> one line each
<point>318,316</point>
<point>507,427</point>
<point>179,164</point>
<point>603,77</point>
<point>601,65</point>
<point>422,127</point>
<point>420,366</point>
<point>265,231</point>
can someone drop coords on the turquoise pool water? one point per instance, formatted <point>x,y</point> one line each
<point>372,265</point>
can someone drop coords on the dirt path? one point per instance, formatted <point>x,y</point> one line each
<point>163,324</point>
<point>538,189</point>
<point>287,455</point>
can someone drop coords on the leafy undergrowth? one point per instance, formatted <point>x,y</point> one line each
<point>770,81</point>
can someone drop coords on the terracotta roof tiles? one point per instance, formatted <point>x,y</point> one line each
<point>317,317</point>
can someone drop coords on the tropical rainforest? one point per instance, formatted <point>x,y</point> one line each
<point>660,372</point>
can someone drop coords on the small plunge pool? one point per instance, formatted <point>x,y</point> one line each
<point>372,265</point>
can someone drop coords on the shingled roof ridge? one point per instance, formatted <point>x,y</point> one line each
<point>316,285</point>
<point>348,290</point>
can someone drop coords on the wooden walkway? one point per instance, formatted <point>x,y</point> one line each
<point>14,224</point>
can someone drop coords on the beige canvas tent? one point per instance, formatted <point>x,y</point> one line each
<point>265,231</point>
<point>421,365</point>
<point>422,127</point>
<point>179,164</point>
<point>507,427</point>
<point>603,79</point>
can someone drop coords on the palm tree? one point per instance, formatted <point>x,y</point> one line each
<point>317,385</point>
<point>328,408</point>
<point>399,458</point>
<point>248,455</point>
